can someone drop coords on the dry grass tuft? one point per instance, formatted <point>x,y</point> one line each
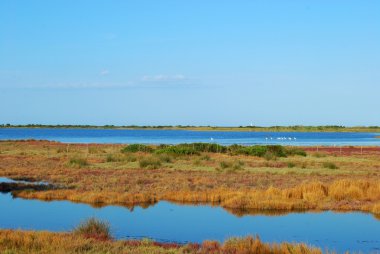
<point>94,228</point>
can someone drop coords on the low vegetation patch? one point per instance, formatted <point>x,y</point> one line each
<point>32,242</point>
<point>134,148</point>
<point>178,150</point>
<point>330,165</point>
<point>94,228</point>
<point>230,177</point>
<point>268,151</point>
<point>150,162</point>
<point>291,164</point>
<point>78,162</point>
<point>319,155</point>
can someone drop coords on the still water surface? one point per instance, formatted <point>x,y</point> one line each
<point>183,223</point>
<point>182,136</point>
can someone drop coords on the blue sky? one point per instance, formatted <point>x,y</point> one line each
<point>193,62</point>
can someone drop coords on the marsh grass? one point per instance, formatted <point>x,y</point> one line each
<point>205,157</point>
<point>94,228</point>
<point>291,164</point>
<point>197,162</point>
<point>134,148</point>
<point>319,155</point>
<point>267,151</point>
<point>178,150</point>
<point>330,165</point>
<point>232,165</point>
<point>225,164</point>
<point>111,158</point>
<point>165,158</point>
<point>130,158</point>
<point>32,242</point>
<point>150,162</point>
<point>78,162</point>
<point>129,183</point>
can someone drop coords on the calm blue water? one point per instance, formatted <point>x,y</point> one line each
<point>180,136</point>
<point>180,223</point>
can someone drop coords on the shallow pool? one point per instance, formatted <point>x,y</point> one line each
<point>183,223</point>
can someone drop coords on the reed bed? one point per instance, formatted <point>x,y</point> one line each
<point>340,195</point>
<point>32,242</point>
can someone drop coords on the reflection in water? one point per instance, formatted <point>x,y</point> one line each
<point>130,207</point>
<point>247,212</point>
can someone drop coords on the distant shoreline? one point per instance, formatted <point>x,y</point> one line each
<point>327,128</point>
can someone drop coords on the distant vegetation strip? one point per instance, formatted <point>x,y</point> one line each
<point>295,128</point>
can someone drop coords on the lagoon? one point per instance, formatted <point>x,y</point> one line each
<point>113,136</point>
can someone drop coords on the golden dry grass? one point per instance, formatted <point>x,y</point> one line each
<point>31,242</point>
<point>107,176</point>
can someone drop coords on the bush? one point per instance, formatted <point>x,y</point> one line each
<point>270,156</point>
<point>225,164</point>
<point>94,228</point>
<point>131,158</point>
<point>150,162</point>
<point>271,151</point>
<point>165,158</point>
<point>78,162</point>
<point>319,155</point>
<point>111,158</point>
<point>236,165</point>
<point>178,150</point>
<point>205,158</point>
<point>258,151</point>
<point>208,147</point>
<point>295,151</point>
<point>134,148</point>
<point>330,165</point>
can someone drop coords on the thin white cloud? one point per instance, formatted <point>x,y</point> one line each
<point>82,85</point>
<point>154,82</point>
<point>104,72</point>
<point>163,78</point>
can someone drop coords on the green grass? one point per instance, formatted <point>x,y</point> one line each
<point>78,162</point>
<point>269,152</point>
<point>150,162</point>
<point>134,148</point>
<point>330,165</point>
<point>291,164</point>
